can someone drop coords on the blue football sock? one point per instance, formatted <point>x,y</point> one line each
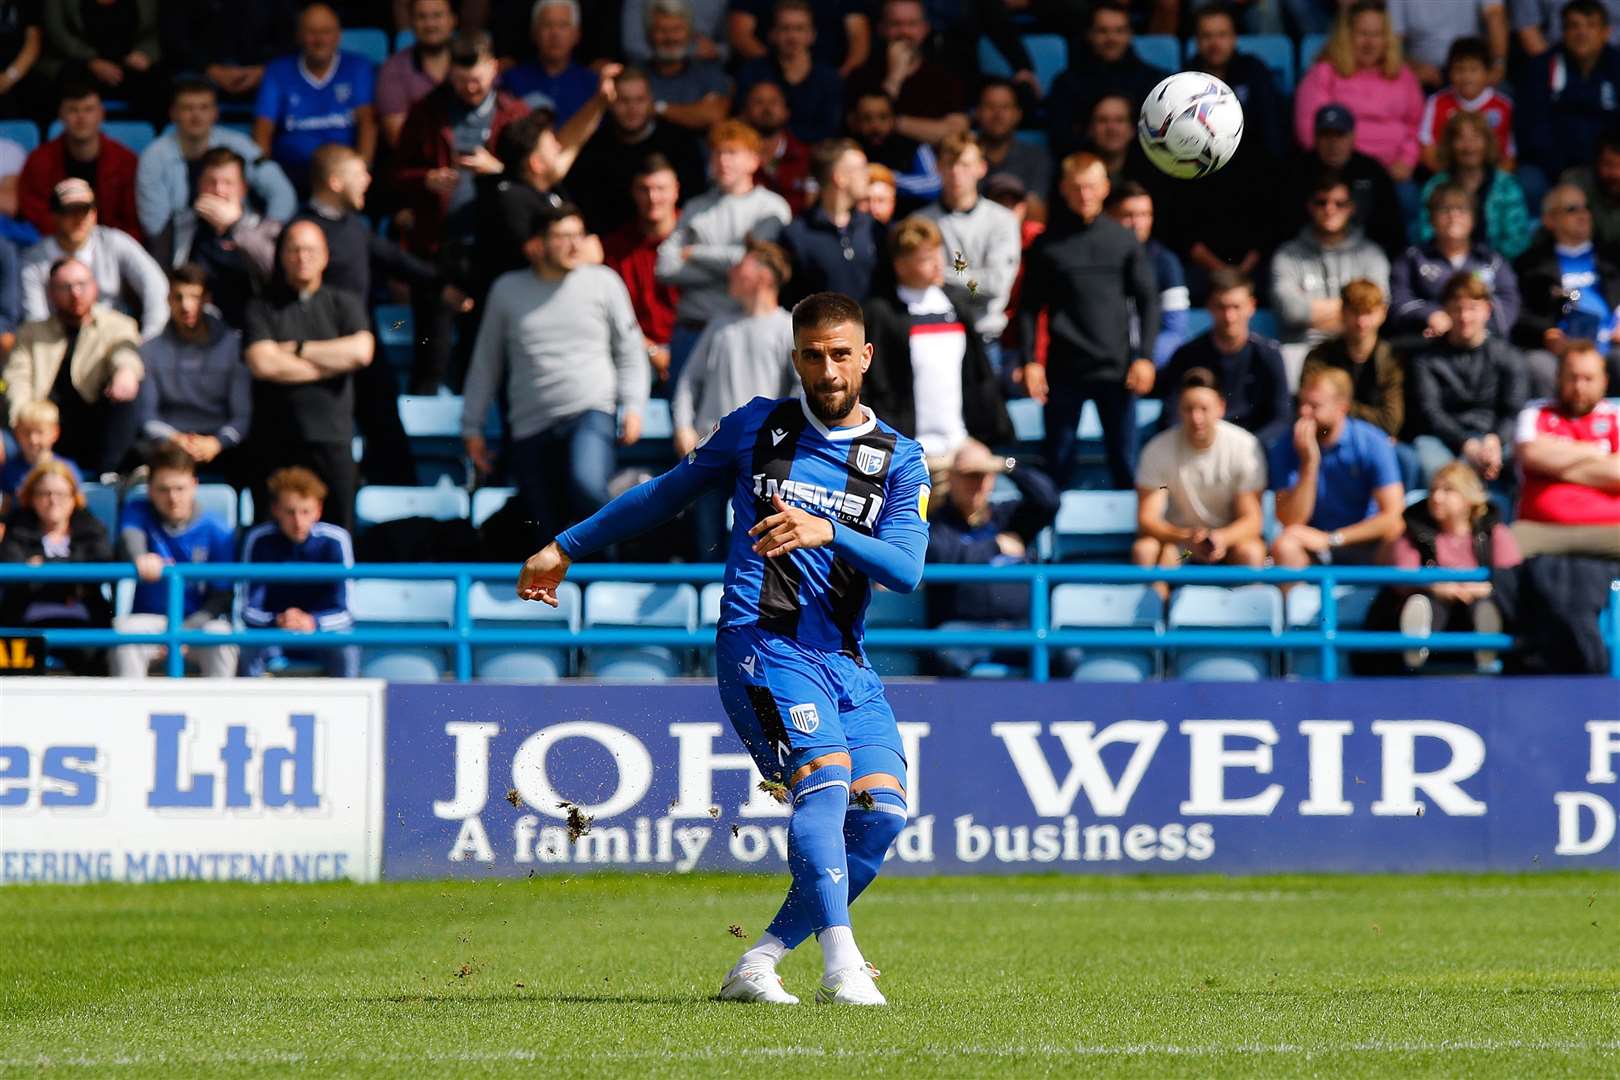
<point>867,836</point>
<point>819,895</point>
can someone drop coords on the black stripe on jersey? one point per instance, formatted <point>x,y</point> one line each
<point>775,445</point>
<point>849,587</point>
<point>770,721</point>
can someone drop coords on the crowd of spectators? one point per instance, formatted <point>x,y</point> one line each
<point>1407,279</point>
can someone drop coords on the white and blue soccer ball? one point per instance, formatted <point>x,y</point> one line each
<point>1190,125</point>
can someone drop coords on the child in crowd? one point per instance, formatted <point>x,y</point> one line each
<point>39,425</point>
<point>1468,69</point>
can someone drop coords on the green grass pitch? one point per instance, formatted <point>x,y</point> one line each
<point>1511,976</point>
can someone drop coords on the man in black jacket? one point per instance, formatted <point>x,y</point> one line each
<point>1467,392</point>
<point>930,378</point>
<point>631,132</point>
<point>1081,272</point>
<point>967,528</point>
<point>1378,210</point>
<point>1111,67</point>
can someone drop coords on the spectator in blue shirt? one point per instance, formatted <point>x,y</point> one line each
<point>318,96</point>
<point>297,535</point>
<point>1339,496</point>
<point>833,245</point>
<point>165,529</point>
<point>554,80</point>
<point>1130,204</point>
<point>1569,95</point>
<point>813,90</point>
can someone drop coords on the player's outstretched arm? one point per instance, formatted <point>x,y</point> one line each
<point>542,573</point>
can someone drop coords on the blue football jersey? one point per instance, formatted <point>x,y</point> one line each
<point>868,479</point>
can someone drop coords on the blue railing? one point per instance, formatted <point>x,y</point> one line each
<point>1039,638</point>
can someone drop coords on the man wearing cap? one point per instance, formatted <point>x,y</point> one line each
<point>966,528</point>
<point>127,278</point>
<point>84,358</point>
<point>1377,209</point>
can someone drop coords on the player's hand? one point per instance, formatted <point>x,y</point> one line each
<point>542,573</point>
<point>789,528</point>
<point>1035,382</point>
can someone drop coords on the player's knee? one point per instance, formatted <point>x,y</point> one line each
<point>823,774</point>
<point>876,816</point>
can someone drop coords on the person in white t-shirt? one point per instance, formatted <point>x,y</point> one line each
<point>1198,485</point>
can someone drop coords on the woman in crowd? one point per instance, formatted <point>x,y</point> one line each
<point>1361,68</point>
<point>1468,157</point>
<point>1455,528</point>
<point>51,524</point>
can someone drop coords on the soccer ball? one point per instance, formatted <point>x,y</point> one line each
<point>1190,124</point>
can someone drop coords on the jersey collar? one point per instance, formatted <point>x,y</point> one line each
<point>843,433</point>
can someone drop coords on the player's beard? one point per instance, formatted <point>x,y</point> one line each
<point>829,406</point>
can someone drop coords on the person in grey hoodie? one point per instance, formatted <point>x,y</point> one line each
<point>1309,271</point>
<point>1468,389</point>
<point>709,237</point>
<point>563,338</point>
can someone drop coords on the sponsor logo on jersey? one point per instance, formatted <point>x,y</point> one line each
<point>804,718</point>
<point>845,506</point>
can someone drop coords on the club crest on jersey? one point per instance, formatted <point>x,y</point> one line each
<point>804,718</point>
<point>869,459</point>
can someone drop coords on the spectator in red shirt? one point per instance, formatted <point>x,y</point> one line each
<point>632,253</point>
<point>1569,451</point>
<point>81,151</point>
<point>784,161</point>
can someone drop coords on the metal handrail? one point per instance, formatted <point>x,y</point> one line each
<point>1039,638</point>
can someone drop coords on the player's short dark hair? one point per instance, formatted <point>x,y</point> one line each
<point>172,457</point>
<point>1468,48</point>
<point>1226,278</point>
<point>191,84</point>
<point>219,157</point>
<point>1125,189</point>
<point>1584,7</point>
<point>1466,284</point>
<point>1200,378</point>
<point>188,274</point>
<point>652,163</point>
<point>825,309</point>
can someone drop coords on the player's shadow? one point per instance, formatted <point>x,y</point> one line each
<point>473,998</point>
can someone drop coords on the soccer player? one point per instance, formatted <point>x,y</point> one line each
<point>828,500</point>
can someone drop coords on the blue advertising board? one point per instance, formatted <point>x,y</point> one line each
<point>1379,775</point>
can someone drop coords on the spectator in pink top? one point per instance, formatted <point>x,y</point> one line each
<point>1361,68</point>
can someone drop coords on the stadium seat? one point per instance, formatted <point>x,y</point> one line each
<point>376,503</point>
<point>636,604</point>
<point>1048,52</point>
<point>25,133</point>
<point>240,127</point>
<point>244,507</point>
<point>891,609</point>
<point>1095,524</point>
<point>1310,47</point>
<point>430,416</point>
<point>1028,420</point>
<point>487,500</point>
<point>499,609</point>
<point>377,603</point>
<point>366,41</point>
<point>1160,50</point>
<point>135,134</point>
<point>1212,607</point>
<point>1303,607</point>
<point>404,40</point>
<point>1276,51</point>
<point>1094,606</point>
<point>1199,321</point>
<point>1416,495</point>
<point>102,501</point>
<point>1264,324</point>
<point>396,333</point>
<point>218,500</point>
<point>656,421</point>
<point>1033,136</point>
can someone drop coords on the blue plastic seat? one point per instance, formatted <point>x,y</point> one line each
<point>25,133</point>
<point>1028,419</point>
<point>499,608</point>
<point>1199,321</point>
<point>396,333</point>
<point>135,134</point>
<point>895,610</point>
<point>1303,607</point>
<point>1310,47</point>
<point>487,500</point>
<point>656,421</point>
<point>1119,606</point>
<point>1276,51</point>
<point>217,500</point>
<point>636,604</point>
<point>709,615</point>
<point>1264,324</point>
<point>376,503</point>
<point>366,41</point>
<point>1049,54</point>
<point>377,603</point>
<point>431,416</point>
<point>1160,50</point>
<point>1092,524</point>
<point>404,40</point>
<point>102,501</point>
<point>1212,607</point>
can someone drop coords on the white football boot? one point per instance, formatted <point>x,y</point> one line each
<point>756,982</point>
<point>851,986</point>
